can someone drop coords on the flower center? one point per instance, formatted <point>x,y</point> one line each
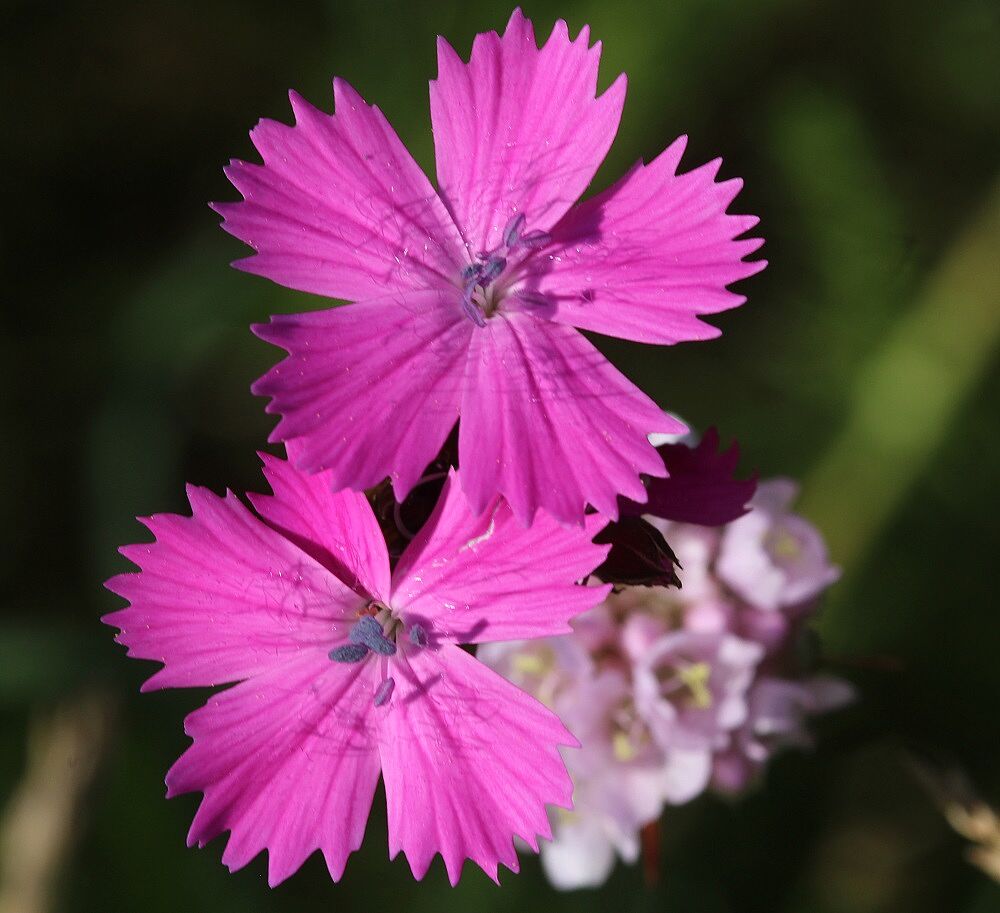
<point>629,734</point>
<point>692,680</point>
<point>536,670</point>
<point>481,296</point>
<point>782,545</point>
<point>377,634</point>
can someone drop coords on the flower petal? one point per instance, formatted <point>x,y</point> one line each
<point>581,854</point>
<point>337,528</point>
<point>518,130</point>
<point>369,390</point>
<point>474,579</point>
<point>643,259</point>
<point>222,596</point>
<point>548,422</point>
<point>701,486</point>
<point>339,207</point>
<point>469,762</point>
<point>287,762</point>
<point>773,558</point>
<point>685,774</point>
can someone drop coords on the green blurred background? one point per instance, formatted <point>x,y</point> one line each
<point>864,363</point>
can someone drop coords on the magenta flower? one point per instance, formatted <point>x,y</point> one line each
<point>346,670</point>
<point>468,299</point>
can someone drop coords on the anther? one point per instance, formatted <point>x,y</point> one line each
<point>471,308</point>
<point>534,239</point>
<point>418,635</point>
<point>368,633</point>
<point>492,268</point>
<point>696,679</point>
<point>348,653</point>
<point>513,229</point>
<point>384,692</point>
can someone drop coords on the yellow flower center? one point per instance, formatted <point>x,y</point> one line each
<point>695,678</point>
<point>782,544</point>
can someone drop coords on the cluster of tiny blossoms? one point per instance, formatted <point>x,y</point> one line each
<point>459,462</point>
<point>672,691</point>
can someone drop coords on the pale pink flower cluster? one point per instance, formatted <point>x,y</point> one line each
<point>674,691</point>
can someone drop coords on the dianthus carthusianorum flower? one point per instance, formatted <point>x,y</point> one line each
<point>469,298</point>
<point>346,669</point>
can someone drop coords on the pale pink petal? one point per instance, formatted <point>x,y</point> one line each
<point>581,854</point>
<point>776,496</point>
<point>548,422</point>
<point>685,774</point>
<point>287,762</point>
<point>643,259</point>
<point>519,130</point>
<point>827,693</point>
<point>475,578</point>
<point>469,762</point>
<point>337,528</point>
<point>339,207</point>
<point>371,389</point>
<point>222,596</point>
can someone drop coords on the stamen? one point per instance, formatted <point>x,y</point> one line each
<point>696,678</point>
<point>348,653</point>
<point>368,632</point>
<point>490,264</point>
<point>471,308</point>
<point>533,239</point>
<point>492,268</point>
<point>782,544</point>
<point>513,229</point>
<point>535,299</point>
<point>532,663</point>
<point>622,747</point>
<point>418,636</point>
<point>384,692</point>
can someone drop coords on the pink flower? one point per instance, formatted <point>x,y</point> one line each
<point>619,782</point>
<point>691,688</point>
<point>771,557</point>
<point>543,667</point>
<point>778,712</point>
<point>346,670</point>
<point>468,300</point>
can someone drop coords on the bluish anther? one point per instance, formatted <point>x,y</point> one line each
<point>418,635</point>
<point>492,268</point>
<point>348,653</point>
<point>384,692</point>
<point>534,239</point>
<point>477,302</point>
<point>513,229</point>
<point>368,633</point>
<point>470,307</point>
